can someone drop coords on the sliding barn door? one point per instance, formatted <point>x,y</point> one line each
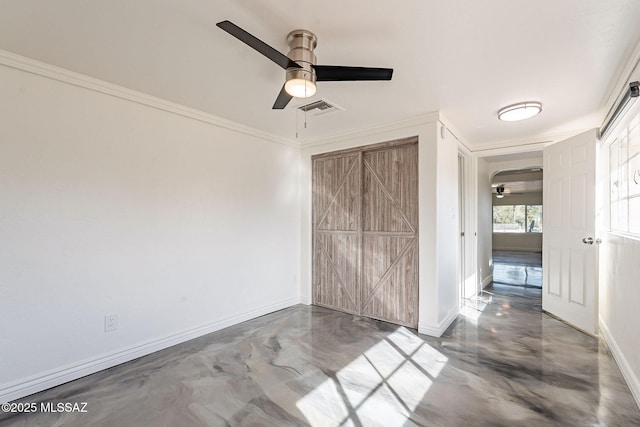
<point>336,240</point>
<point>365,225</point>
<point>390,224</point>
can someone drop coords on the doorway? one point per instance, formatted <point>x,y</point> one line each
<point>517,210</point>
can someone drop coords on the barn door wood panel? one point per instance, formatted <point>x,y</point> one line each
<point>389,278</point>
<point>365,226</point>
<point>336,232</point>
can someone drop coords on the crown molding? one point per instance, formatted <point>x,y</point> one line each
<point>421,119</point>
<point>619,84</point>
<point>456,132</point>
<point>29,65</point>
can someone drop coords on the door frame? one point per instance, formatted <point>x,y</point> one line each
<point>513,164</point>
<point>462,217</point>
<point>468,264</point>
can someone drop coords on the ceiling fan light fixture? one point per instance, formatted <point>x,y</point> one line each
<point>520,111</point>
<point>300,83</point>
<point>300,88</point>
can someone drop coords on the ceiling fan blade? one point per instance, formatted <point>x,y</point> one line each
<point>254,42</point>
<point>336,73</point>
<point>282,100</point>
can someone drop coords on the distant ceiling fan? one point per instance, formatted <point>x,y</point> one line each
<point>502,191</point>
<point>302,73</point>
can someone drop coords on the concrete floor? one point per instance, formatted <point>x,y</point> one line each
<point>517,268</point>
<point>502,363</point>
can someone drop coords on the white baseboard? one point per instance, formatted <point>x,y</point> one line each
<point>517,249</point>
<point>305,300</point>
<point>436,330</point>
<point>45,380</point>
<point>630,377</point>
<point>487,281</point>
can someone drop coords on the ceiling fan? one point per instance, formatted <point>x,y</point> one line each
<point>502,191</point>
<point>302,73</point>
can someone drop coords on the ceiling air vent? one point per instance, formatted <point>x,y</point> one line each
<point>321,106</point>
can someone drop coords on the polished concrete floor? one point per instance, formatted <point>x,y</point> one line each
<point>517,268</point>
<point>502,363</point>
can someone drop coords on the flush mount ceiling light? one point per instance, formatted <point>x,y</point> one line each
<point>520,111</point>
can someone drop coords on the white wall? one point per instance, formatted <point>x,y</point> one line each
<point>525,242</point>
<point>179,226</point>
<point>619,271</point>
<point>485,223</point>
<point>447,212</point>
<point>619,296</point>
<point>437,163</point>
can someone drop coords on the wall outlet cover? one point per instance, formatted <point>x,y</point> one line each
<point>110,322</point>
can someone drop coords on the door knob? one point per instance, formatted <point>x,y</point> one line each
<point>590,241</point>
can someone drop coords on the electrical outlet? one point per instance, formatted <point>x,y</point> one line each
<point>110,322</point>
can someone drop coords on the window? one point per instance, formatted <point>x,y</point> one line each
<point>624,179</point>
<point>517,219</point>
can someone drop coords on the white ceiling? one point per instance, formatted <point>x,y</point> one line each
<point>466,59</point>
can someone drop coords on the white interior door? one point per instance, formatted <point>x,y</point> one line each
<point>570,251</point>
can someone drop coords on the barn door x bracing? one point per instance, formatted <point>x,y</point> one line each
<point>365,231</point>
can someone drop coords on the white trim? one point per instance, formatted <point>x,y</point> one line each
<point>516,149</point>
<point>438,329</point>
<point>373,131</point>
<point>627,373</point>
<point>12,60</point>
<point>618,85</point>
<point>517,249</point>
<point>54,377</point>
<point>523,145</point>
<point>305,300</point>
<point>622,234</point>
<point>486,281</point>
<point>456,133</point>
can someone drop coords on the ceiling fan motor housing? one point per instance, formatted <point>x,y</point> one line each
<point>302,44</point>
